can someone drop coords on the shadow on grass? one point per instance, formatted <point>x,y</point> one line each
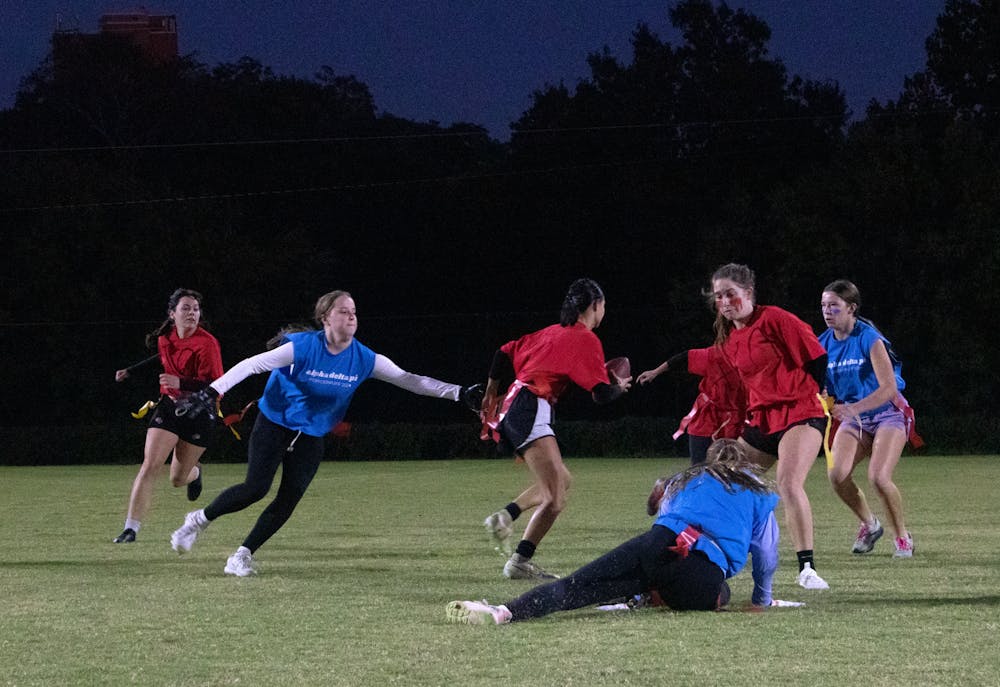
<point>922,601</point>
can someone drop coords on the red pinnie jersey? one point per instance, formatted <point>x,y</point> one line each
<point>549,359</point>
<point>196,357</point>
<point>723,411</point>
<point>770,354</point>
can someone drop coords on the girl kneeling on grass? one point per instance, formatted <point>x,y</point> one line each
<point>709,519</point>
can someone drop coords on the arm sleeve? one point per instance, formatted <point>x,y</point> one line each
<point>817,370</point>
<point>387,371</point>
<point>764,552</point>
<point>502,368</point>
<point>142,363</point>
<point>282,356</point>
<point>606,393</point>
<point>192,384</point>
<point>678,361</point>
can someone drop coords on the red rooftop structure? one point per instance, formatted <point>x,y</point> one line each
<point>156,34</point>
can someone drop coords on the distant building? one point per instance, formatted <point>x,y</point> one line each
<point>155,34</point>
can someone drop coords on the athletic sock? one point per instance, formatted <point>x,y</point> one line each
<point>133,525</point>
<point>513,509</point>
<point>805,556</point>
<point>525,548</point>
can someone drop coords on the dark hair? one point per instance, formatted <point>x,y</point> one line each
<point>168,324</point>
<point>727,462</point>
<point>323,305</point>
<point>846,291</point>
<point>744,277</point>
<point>581,295</point>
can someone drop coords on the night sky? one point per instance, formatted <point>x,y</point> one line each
<point>471,61</point>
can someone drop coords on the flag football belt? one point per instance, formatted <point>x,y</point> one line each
<point>684,541</point>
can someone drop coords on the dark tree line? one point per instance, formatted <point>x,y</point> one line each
<point>123,178</point>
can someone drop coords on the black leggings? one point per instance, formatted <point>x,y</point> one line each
<point>698,448</point>
<point>640,565</point>
<point>271,445</point>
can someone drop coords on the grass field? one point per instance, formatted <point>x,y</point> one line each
<point>352,591</point>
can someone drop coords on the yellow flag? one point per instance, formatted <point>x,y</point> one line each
<point>144,410</point>
<point>827,403</point>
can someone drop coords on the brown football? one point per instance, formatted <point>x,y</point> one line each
<point>619,367</point>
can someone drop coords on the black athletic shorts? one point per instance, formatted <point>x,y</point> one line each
<point>198,432</point>
<point>768,443</point>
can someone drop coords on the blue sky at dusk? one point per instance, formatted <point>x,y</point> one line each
<point>479,62</point>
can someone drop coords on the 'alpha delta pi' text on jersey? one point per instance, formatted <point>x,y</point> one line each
<point>850,376</point>
<point>312,394</point>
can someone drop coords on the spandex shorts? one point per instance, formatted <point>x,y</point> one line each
<point>198,432</point>
<point>768,443</point>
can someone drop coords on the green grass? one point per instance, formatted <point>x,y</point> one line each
<point>352,590</point>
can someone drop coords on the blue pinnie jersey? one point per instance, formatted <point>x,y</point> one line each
<point>312,394</point>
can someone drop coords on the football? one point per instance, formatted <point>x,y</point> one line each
<point>619,367</point>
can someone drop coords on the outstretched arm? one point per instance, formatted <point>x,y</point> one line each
<point>675,362</point>
<point>764,552</point>
<point>206,400</point>
<point>387,371</point>
<point>123,374</point>
<point>282,356</point>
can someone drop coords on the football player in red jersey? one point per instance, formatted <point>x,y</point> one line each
<point>190,358</point>
<point>719,411</point>
<point>782,365</point>
<point>542,365</point>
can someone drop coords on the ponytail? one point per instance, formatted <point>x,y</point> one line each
<point>581,295</point>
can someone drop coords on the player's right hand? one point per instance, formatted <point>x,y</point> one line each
<point>203,401</point>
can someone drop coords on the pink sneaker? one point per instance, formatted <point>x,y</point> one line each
<point>867,536</point>
<point>904,547</point>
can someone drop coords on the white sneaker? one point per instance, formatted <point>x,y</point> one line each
<point>520,568</point>
<point>185,536</point>
<point>240,563</point>
<point>476,613</point>
<point>810,579</point>
<point>500,527</point>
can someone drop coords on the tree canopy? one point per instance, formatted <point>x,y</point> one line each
<point>126,178</point>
